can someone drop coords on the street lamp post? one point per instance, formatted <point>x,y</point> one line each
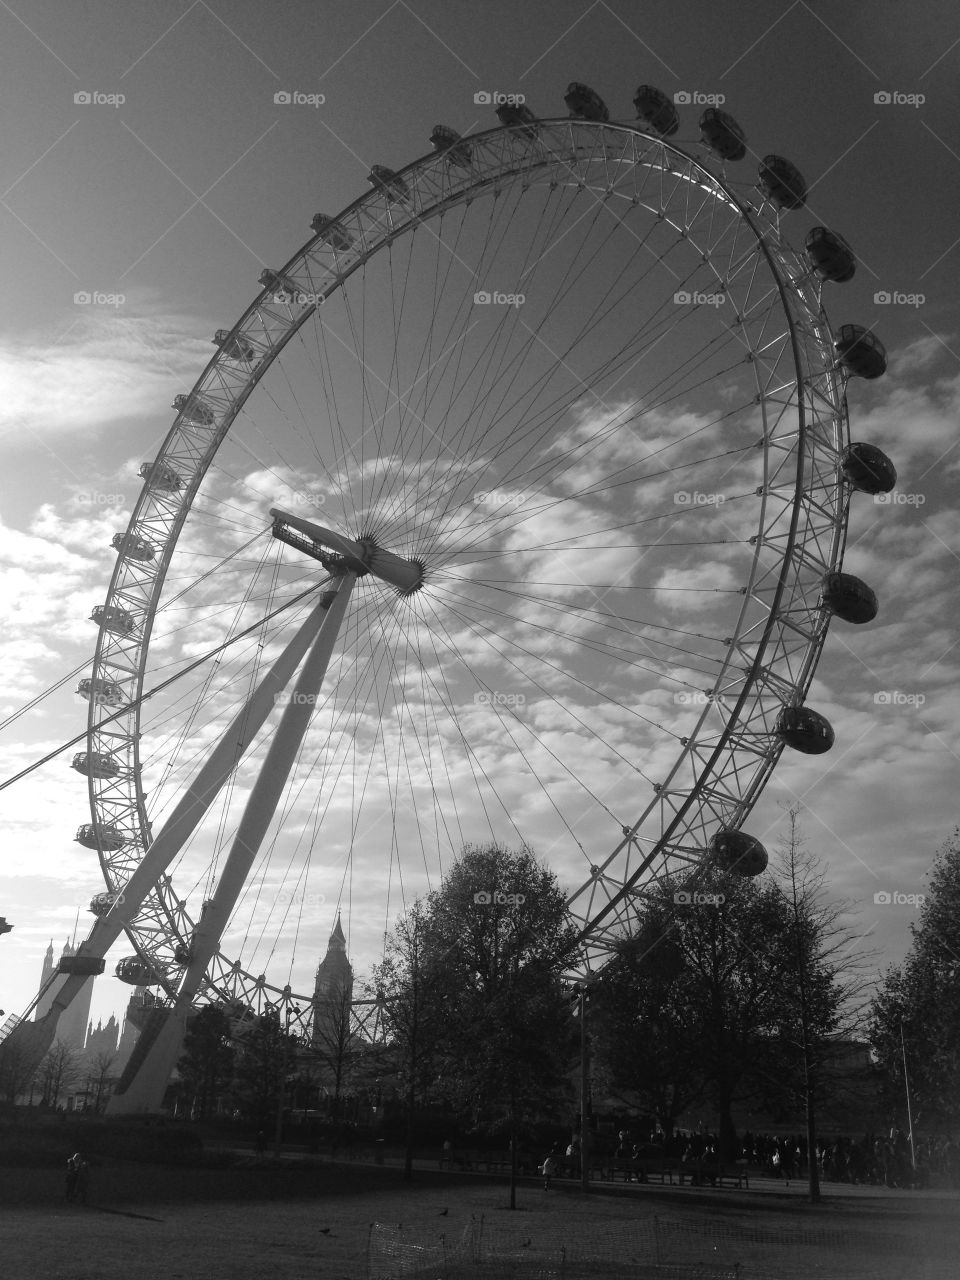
<point>284,1067</point>
<point>583,988</point>
<point>906,1085</point>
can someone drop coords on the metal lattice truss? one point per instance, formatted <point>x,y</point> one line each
<point>777,317</point>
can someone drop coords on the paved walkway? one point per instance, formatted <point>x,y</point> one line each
<point>759,1184</point>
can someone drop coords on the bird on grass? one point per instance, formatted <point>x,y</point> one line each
<point>443,1213</point>
<point>324,1231</point>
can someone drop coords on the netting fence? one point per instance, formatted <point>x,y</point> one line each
<point>653,1248</point>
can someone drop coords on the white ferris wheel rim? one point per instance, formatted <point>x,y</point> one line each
<point>770,658</point>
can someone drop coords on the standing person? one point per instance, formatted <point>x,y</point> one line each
<point>261,1143</point>
<point>72,1175</point>
<point>81,1177</point>
<point>548,1169</point>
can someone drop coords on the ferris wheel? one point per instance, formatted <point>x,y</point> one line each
<point>511,508</point>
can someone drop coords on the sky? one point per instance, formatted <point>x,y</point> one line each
<point>149,173</point>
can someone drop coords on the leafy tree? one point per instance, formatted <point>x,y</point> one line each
<point>473,992</point>
<point>916,1012</point>
<point>701,1005</point>
<point>264,1055</point>
<point>411,984</point>
<point>501,922</point>
<point>206,1064</point>
<point>643,1050</point>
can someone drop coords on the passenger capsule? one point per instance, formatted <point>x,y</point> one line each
<point>389,182</point>
<point>867,468</point>
<point>831,256</point>
<point>861,352</point>
<point>137,972</point>
<point>782,183</point>
<point>236,347</point>
<point>193,409</point>
<point>161,476</point>
<point>722,134</point>
<point>102,903</point>
<point>584,104</point>
<point>283,288</point>
<point>449,143</point>
<point>847,597</point>
<point>101,692</point>
<point>331,232</point>
<point>132,547</point>
<point>111,618</point>
<point>655,109</point>
<point>101,835</point>
<point>804,730</point>
<point>94,765</point>
<point>517,115</point>
<point>737,852</point>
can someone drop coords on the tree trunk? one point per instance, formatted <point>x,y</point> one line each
<point>813,1172</point>
<point>412,1090</point>
<point>728,1132</point>
<point>513,1154</point>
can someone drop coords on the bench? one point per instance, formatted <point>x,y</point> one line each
<point>703,1171</point>
<point>490,1162</point>
<point>636,1169</point>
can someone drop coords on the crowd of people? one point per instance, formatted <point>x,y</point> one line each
<point>886,1159</point>
<point>877,1159</point>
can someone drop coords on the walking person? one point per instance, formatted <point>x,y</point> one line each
<point>548,1169</point>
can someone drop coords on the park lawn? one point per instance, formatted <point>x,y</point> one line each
<point>146,1222</point>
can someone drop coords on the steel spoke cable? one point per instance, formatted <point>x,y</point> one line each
<point>587,446</point>
<point>443,692</point>
<point>151,693</point>
<point>535,512</point>
<point>458,654</point>
<point>605,649</point>
<point>499,211</point>
<point>603,619</point>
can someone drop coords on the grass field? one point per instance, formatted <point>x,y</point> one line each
<point>147,1222</point>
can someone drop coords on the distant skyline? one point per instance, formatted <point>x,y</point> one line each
<point>135,228</point>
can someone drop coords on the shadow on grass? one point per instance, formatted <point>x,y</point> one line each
<point>117,1182</point>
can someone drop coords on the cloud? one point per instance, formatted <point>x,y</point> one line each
<point>916,417</point>
<point>102,369</point>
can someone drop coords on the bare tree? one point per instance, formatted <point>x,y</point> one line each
<point>825,988</point>
<point>100,1077</point>
<point>18,1068</point>
<point>332,1040</point>
<point>61,1067</point>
